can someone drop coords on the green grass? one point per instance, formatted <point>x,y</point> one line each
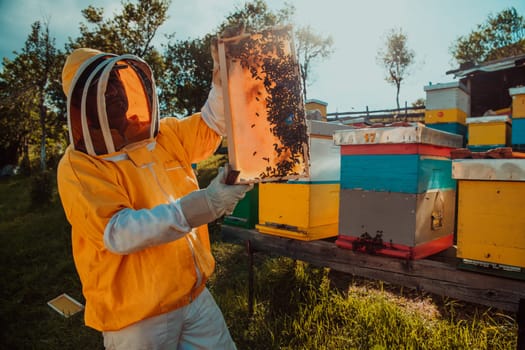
<point>297,306</point>
<point>36,265</point>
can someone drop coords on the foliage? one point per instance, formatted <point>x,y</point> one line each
<point>502,35</point>
<point>188,63</point>
<point>207,169</point>
<point>32,104</point>
<point>130,31</point>
<point>13,125</point>
<point>310,47</point>
<point>256,16</point>
<point>396,58</point>
<point>420,102</point>
<point>187,77</point>
<point>29,111</point>
<point>42,57</point>
<point>42,188</point>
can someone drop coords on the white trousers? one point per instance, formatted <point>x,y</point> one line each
<point>199,325</point>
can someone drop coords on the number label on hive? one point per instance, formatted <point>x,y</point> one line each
<point>265,114</point>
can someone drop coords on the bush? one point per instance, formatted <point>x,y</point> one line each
<point>207,169</point>
<point>25,166</point>
<point>42,186</point>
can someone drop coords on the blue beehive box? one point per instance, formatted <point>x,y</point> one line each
<point>397,191</point>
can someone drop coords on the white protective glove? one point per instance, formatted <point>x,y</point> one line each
<point>218,199</point>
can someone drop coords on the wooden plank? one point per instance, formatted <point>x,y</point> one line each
<point>521,325</point>
<point>438,275</point>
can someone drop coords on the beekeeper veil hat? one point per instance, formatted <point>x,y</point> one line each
<point>94,83</point>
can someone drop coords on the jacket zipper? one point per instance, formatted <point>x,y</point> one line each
<point>190,244</point>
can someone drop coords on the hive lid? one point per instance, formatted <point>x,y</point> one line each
<point>316,127</point>
<point>442,86</point>
<point>489,119</point>
<point>489,169</point>
<point>518,90</point>
<point>413,133</point>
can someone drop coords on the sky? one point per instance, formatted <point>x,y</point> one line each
<point>349,80</point>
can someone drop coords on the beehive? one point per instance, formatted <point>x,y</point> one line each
<point>441,116</point>
<point>518,118</point>
<point>490,225</point>
<point>518,134</point>
<point>518,102</point>
<point>397,194</point>
<point>488,132</point>
<point>265,115</point>
<point>452,127</point>
<point>447,107</point>
<point>448,96</point>
<point>306,208</point>
<point>313,104</point>
<point>304,211</point>
<point>246,212</point>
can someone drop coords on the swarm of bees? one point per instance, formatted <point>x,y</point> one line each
<point>265,57</point>
<point>369,244</point>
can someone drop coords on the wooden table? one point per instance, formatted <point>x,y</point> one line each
<point>437,274</point>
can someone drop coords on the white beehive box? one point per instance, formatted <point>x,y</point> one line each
<point>445,96</point>
<point>325,160</point>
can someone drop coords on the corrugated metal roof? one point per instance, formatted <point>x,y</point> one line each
<point>492,66</point>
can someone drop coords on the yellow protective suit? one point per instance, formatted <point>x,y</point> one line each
<point>106,177</point>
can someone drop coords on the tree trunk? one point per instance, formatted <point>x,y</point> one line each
<point>398,86</point>
<point>303,79</point>
<point>43,111</point>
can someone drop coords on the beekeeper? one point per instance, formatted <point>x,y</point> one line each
<point>139,233</point>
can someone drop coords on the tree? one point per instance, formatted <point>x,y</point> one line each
<point>27,84</point>
<point>131,31</point>
<point>256,15</point>
<point>41,57</point>
<point>310,47</point>
<point>502,35</point>
<point>188,63</point>
<point>32,104</point>
<point>419,103</point>
<point>186,81</point>
<point>396,58</point>
<point>14,122</point>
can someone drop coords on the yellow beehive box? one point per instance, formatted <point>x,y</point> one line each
<point>489,130</point>
<point>313,104</point>
<point>453,115</point>
<point>490,222</point>
<point>304,211</point>
<point>518,101</point>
